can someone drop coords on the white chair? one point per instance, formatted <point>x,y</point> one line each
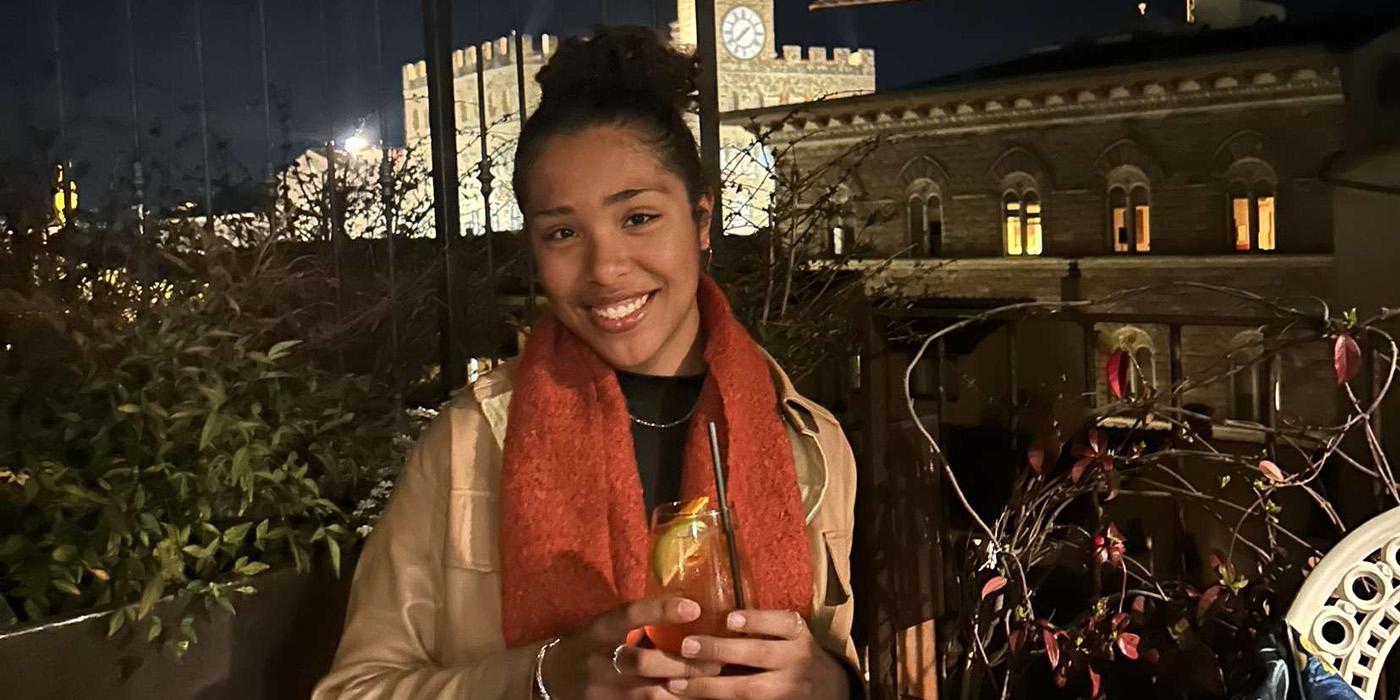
<point>1349,606</point>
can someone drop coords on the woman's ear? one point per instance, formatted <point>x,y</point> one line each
<point>704,214</point>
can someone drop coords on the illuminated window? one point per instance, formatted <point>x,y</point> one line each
<point>1253,206</point>
<point>1129,210</point>
<point>1142,222</point>
<point>1011,224</point>
<point>1035,244</point>
<point>838,240</point>
<point>1241,220</point>
<point>1264,204</point>
<point>1022,230</point>
<point>1122,234</point>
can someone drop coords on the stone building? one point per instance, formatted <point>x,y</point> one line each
<point>1092,169</point>
<point>754,71</point>
<point>1084,172</point>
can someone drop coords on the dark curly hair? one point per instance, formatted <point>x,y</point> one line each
<point>621,76</point>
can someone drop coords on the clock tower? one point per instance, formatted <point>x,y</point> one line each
<point>745,28</point>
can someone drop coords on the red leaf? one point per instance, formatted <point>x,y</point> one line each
<point>1046,449</point>
<point>1117,372</point>
<point>1035,457</point>
<point>1271,470</point>
<point>1209,598</point>
<point>1128,644</point>
<point>1120,621</point>
<point>1077,471</point>
<point>1115,481</point>
<point>1346,358</point>
<point>1094,684</point>
<point>1016,638</point>
<point>993,585</point>
<point>1052,647</point>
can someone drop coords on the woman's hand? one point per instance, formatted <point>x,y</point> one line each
<point>581,667</point>
<point>790,663</point>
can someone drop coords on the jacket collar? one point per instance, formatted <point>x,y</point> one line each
<point>493,391</point>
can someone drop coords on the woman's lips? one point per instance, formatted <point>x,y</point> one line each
<point>621,316</point>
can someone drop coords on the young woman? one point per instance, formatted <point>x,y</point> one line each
<point>511,561</point>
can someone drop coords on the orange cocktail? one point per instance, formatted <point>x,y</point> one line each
<point>690,558</point>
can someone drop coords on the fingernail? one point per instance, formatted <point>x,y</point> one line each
<point>690,647</point>
<point>689,609</point>
<point>676,686</point>
<point>736,621</point>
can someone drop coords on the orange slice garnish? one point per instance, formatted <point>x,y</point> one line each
<point>679,545</point>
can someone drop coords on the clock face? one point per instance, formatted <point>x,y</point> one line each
<point>743,33</point>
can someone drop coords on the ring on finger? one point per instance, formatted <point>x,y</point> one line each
<point>617,652</point>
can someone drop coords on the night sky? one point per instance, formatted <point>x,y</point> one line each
<point>913,41</point>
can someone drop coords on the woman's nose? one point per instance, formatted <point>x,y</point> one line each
<point>608,257</point>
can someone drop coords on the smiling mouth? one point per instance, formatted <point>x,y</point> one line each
<point>621,315</point>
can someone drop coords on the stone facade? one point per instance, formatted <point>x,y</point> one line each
<point>1189,133</point>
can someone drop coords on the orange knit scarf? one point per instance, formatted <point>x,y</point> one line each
<point>573,531</point>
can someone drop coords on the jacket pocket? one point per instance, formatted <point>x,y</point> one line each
<point>838,567</point>
<point>471,532</point>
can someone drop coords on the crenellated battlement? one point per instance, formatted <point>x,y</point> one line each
<point>817,59</point>
<point>497,53</point>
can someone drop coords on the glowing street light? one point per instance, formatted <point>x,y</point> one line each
<point>356,143</point>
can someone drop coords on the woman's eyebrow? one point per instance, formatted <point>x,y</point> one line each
<point>624,195</point>
<point>614,198</point>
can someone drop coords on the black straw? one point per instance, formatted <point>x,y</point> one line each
<point>725,522</point>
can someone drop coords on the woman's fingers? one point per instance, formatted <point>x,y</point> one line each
<point>654,663</point>
<point>611,629</point>
<point>755,653</point>
<point>778,624</point>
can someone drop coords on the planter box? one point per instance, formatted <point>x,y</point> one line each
<point>277,646</point>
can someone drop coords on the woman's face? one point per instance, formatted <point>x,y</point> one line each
<point>618,245</point>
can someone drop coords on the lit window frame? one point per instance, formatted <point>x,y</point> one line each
<point>1251,207</point>
<point>1129,211</point>
<point>1022,213</point>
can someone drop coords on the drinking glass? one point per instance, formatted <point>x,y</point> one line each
<point>690,558</point>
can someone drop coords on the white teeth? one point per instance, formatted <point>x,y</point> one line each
<point>621,310</point>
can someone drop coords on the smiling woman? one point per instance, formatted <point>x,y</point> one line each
<point>513,558</point>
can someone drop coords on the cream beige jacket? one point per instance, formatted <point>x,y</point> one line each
<point>424,620</point>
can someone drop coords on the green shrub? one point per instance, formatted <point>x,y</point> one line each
<point>169,445</point>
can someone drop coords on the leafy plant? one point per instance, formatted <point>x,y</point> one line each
<point>157,439</point>
<point>1113,620</point>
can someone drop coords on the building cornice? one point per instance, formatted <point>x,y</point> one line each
<point>1270,78</point>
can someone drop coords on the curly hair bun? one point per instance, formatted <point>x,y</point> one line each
<point>619,63</point>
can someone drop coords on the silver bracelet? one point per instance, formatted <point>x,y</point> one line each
<point>539,669</point>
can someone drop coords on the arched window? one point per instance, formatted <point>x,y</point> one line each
<point>1129,210</point>
<point>1253,205</point>
<point>838,237</point>
<point>924,219</point>
<point>1141,355</point>
<point>1244,388</point>
<point>842,227</point>
<point>1022,231</point>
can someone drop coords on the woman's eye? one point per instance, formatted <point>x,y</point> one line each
<point>559,234</point>
<point>640,219</point>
